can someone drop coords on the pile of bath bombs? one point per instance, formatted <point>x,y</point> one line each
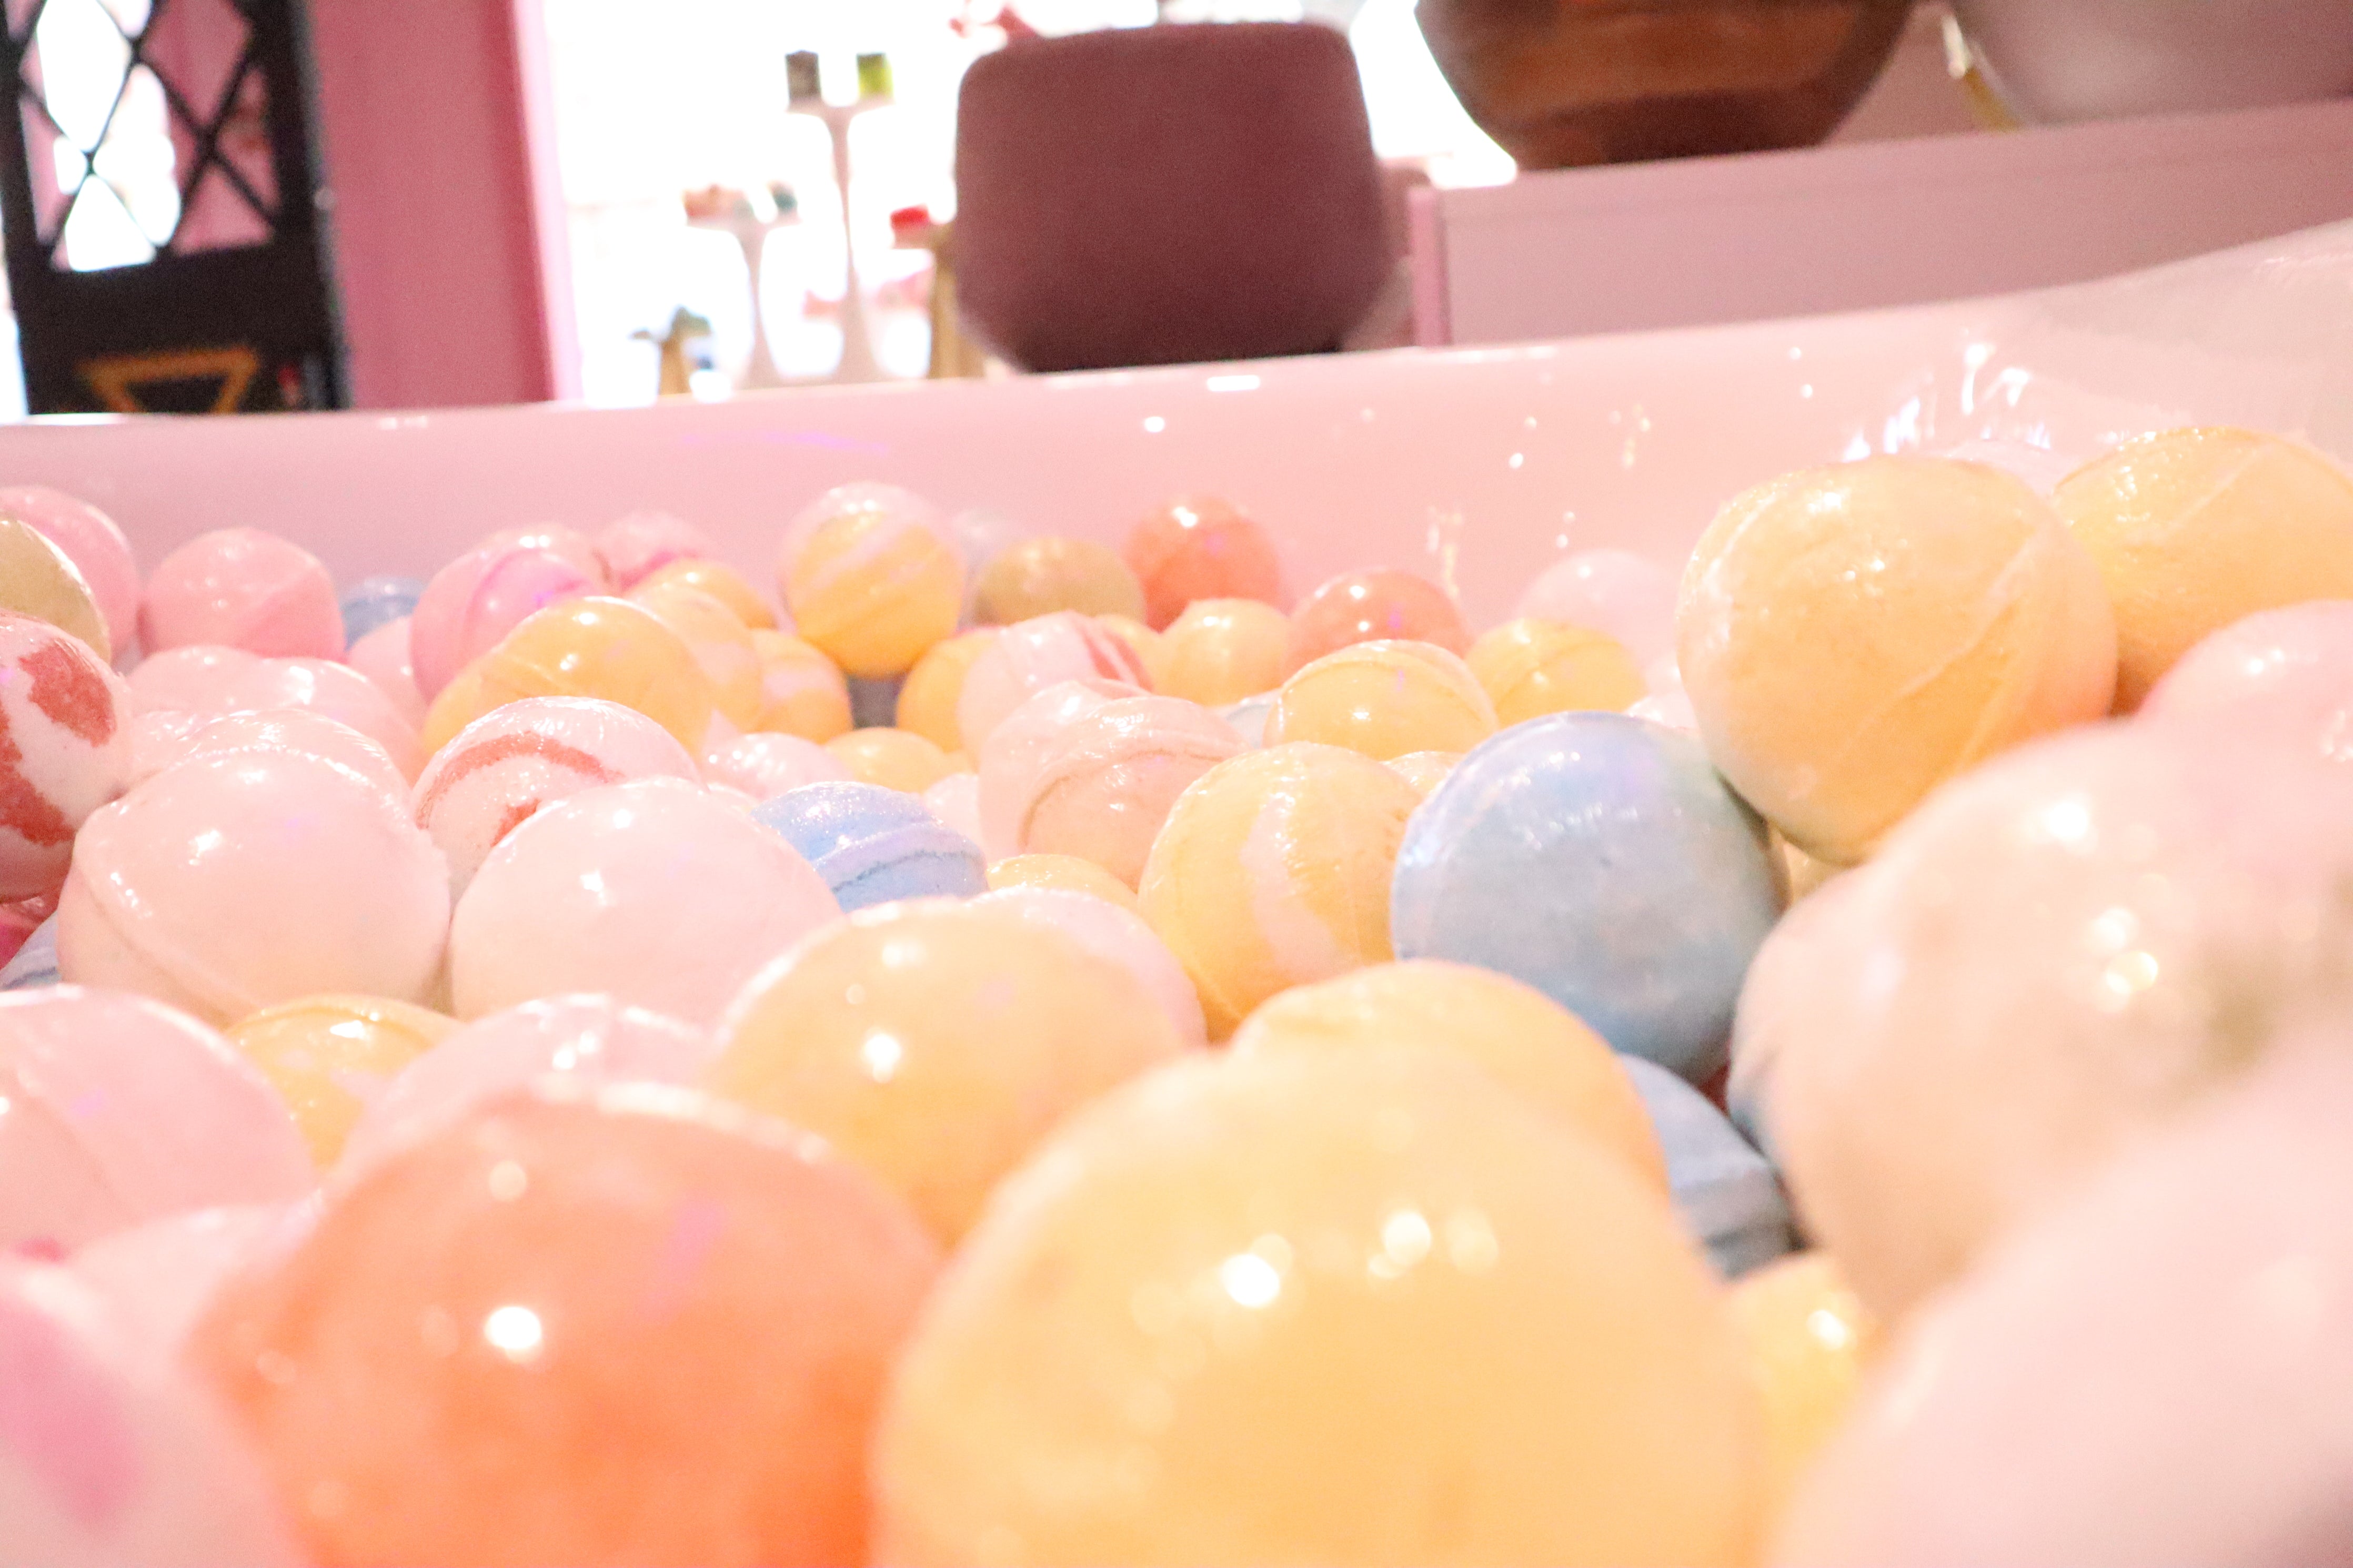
<point>962,1046</point>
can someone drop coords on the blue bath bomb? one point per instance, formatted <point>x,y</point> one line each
<point>371,602</point>
<point>1600,858</point>
<point>873,845</point>
<point>1727,1195</point>
<point>35,963</point>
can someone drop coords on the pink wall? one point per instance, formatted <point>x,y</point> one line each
<point>447,231</point>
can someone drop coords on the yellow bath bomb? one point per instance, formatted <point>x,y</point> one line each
<point>1274,870</point>
<point>1851,637</point>
<point>329,1055</point>
<point>928,697</point>
<point>2197,528</point>
<point>1531,667</point>
<point>1385,699</point>
<point>1315,1307</point>
<point>1150,650</point>
<point>1038,576</point>
<point>895,759</point>
<point>1808,1339</point>
<point>1425,769</point>
<point>721,641</point>
<point>723,582</point>
<point>1522,1038</point>
<point>1066,873</point>
<point>1221,650</point>
<point>600,647</point>
<point>802,691</point>
<point>871,581</point>
<point>39,580</point>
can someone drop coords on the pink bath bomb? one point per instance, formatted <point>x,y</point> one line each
<point>110,1455</point>
<point>518,759</point>
<point>475,601</point>
<point>191,680</point>
<point>1120,935</point>
<point>65,750</point>
<point>766,764</point>
<point>162,739</point>
<point>243,588</point>
<point>590,1040</point>
<point>121,1110</point>
<point>654,893</point>
<point>383,656</point>
<point>1016,746</point>
<point>227,883</point>
<point>1025,658</point>
<point>1104,783</point>
<point>92,542</point>
<point>2291,666</point>
<point>158,1276</point>
<point>954,801</point>
<point>334,691</point>
<point>633,548</point>
<point>1629,597</point>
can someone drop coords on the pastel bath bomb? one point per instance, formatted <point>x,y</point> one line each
<point>1625,596</point>
<point>1117,934</point>
<point>158,1276</point>
<point>1067,873</point>
<point>1383,605</point>
<point>721,581</point>
<point>927,699</point>
<point>654,891</point>
<point>1851,637</point>
<point>893,759</point>
<point>1600,859</point>
<point>1425,769</point>
<point>517,760</point>
<point>1531,667</point>
<point>1518,1035</point>
<point>720,642</point>
<point>766,764</point>
<point>2155,1374</point>
<point>227,883</point>
<point>1221,650</point>
<point>1321,1307</point>
<point>1270,873</point>
<point>372,601</point>
<point>1025,660</point>
<point>2294,664</point>
<point>1810,1340</point>
<point>1386,699</point>
<point>115,1457</point>
<point>191,678</point>
<point>65,749</point>
<point>477,599</point>
<point>634,547</point>
<point>803,692</point>
<point>604,648</point>
<point>1200,547</point>
<point>269,729</point>
<point>871,576</point>
<point>243,588</point>
<point>382,656</point>
<point>588,1040</point>
<point>873,845</point>
<point>2194,529</point>
<point>1726,1193</point>
<point>625,1329</point>
<point>2052,960</point>
<point>1104,783</point>
<point>1142,641</point>
<point>334,691</point>
<point>93,541</point>
<point>954,803</point>
<point>1010,757</point>
<point>935,1044</point>
<point>39,579</point>
<point>1039,576</point>
<point>121,1110</point>
<point>328,1056</point>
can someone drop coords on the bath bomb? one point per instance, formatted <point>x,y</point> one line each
<point>1045,572</point>
<point>519,759</point>
<point>719,580</point>
<point>372,601</point>
<point>120,1110</point>
<point>874,845</point>
<point>625,1329</point>
<point>1104,783</point>
<point>1249,717</point>
<point>1386,699</point>
<point>2195,529</point>
<point>1600,859</point>
<point>1222,650</point>
<point>1270,871</point>
<point>1425,769</point>
<point>872,577</point>
<point>722,643</point>
<point>1726,1195</point>
<point>1061,872</point>
<point>927,699</point>
<point>2154,1374</point>
<point>954,803</point>
<point>766,764</point>
<point>1625,596</point>
<point>1380,605</point>
<point>1518,1035</point>
<point>93,542</point>
<point>65,749</point>
<point>1199,547</point>
<point>895,759</point>
<point>654,891</point>
<point>588,1039</point>
<point>114,1457</point>
<point>1776,1002</point>
<point>383,656</point>
<point>1015,748</point>
<point>39,580</point>
<point>267,730</point>
<point>1025,660</point>
<point>34,964</point>
<point>2291,666</point>
<point>1321,1307</point>
<point>606,649</point>
<point>935,1042</point>
<point>2053,958</point>
<point>1141,641</point>
<point>334,690</point>
<point>472,603</point>
<point>634,547</point>
<point>1532,668</point>
<point>191,680</point>
<point>803,693</point>
<point>160,1276</point>
<point>328,1056</point>
<point>243,588</point>
<point>229,882</point>
<point>1117,934</point>
<point>1851,637</point>
<point>1809,1339</point>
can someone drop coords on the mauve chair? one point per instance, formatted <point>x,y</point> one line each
<point>1157,196</point>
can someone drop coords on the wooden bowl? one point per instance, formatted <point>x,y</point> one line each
<point>1565,82</point>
